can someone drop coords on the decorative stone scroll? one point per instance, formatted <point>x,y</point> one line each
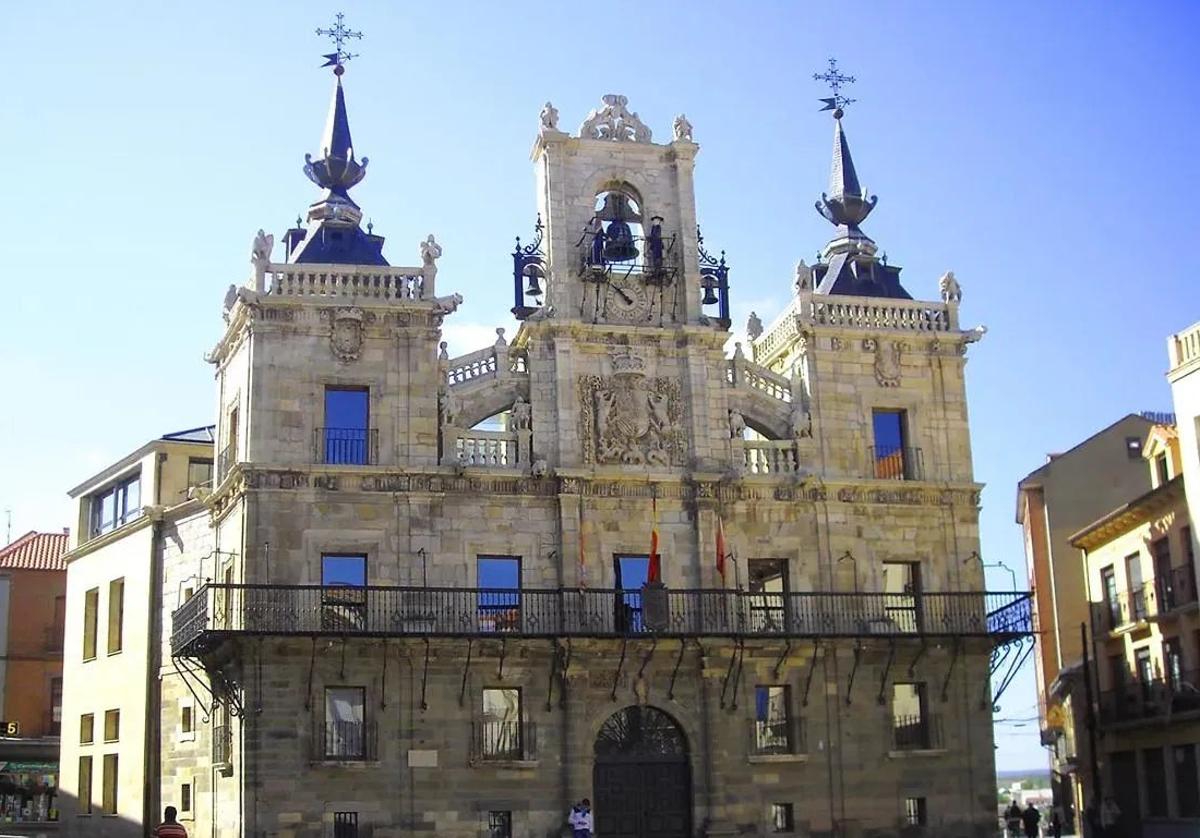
<point>629,419</point>
<point>614,122</point>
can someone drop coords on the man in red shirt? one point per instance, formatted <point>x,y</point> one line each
<point>170,828</point>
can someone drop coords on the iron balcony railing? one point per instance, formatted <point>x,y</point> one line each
<point>776,736</point>
<point>503,741</point>
<point>219,610</point>
<point>225,461</point>
<point>892,463</point>
<point>1147,601</point>
<point>1176,589</point>
<point>346,446</point>
<point>916,733</point>
<point>344,742</point>
<point>1158,698</point>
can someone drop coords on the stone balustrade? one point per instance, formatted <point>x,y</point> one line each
<point>371,283</point>
<point>493,362</point>
<point>741,372</point>
<point>873,313</point>
<point>767,456</point>
<point>487,449</point>
<point>1185,347</point>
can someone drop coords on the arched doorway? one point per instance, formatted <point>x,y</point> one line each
<point>642,777</point>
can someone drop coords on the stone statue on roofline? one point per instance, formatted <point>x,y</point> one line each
<point>549,118</point>
<point>683,128</point>
<point>260,258</point>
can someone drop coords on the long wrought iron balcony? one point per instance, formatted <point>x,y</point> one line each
<point>218,611</point>
<point>1158,698</point>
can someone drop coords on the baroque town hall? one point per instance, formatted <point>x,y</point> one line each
<point>418,595</point>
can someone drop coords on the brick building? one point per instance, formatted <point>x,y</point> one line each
<point>32,604</point>
<point>421,596</point>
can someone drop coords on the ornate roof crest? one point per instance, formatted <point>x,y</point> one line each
<point>614,122</point>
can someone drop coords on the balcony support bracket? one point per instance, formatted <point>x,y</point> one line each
<point>199,701</point>
<point>812,667</point>
<point>503,655</point>
<point>620,665</point>
<point>734,660</point>
<point>887,668</point>
<point>853,672</point>
<point>462,690</point>
<point>957,649</point>
<point>787,649</point>
<point>1024,649</point>
<point>675,671</point>
<point>342,670</point>
<point>555,659</point>
<point>737,679</point>
<point>912,667</point>
<point>649,655</point>
<point>425,675</point>
<point>312,662</point>
<point>383,683</point>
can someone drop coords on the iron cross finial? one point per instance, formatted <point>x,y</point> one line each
<point>339,34</point>
<point>835,79</point>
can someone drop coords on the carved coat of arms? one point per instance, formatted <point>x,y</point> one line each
<point>346,336</point>
<point>629,419</point>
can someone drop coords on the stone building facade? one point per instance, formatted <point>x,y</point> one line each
<point>424,598</point>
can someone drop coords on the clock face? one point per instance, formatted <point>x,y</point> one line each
<point>627,300</point>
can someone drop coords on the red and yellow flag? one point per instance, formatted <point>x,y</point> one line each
<point>721,550</point>
<point>654,571</point>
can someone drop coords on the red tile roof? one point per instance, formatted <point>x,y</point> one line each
<point>35,551</point>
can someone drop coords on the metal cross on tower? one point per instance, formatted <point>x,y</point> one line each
<point>339,34</point>
<point>835,79</point>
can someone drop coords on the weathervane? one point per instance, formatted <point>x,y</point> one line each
<point>835,79</point>
<point>339,34</point>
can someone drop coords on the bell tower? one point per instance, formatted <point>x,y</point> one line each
<point>620,239</point>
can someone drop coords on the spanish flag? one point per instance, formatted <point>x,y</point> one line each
<point>654,571</point>
<point>721,550</point>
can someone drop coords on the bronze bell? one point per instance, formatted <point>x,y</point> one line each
<point>710,291</point>
<point>533,273</point>
<point>618,243</point>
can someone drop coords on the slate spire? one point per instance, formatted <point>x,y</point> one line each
<point>845,205</point>
<point>336,169</point>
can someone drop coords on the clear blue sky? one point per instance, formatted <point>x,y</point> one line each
<point>1044,152</point>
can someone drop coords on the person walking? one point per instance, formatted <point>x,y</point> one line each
<point>170,828</point>
<point>1030,818</point>
<point>1012,818</point>
<point>1055,823</point>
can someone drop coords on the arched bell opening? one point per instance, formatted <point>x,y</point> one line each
<point>642,776</point>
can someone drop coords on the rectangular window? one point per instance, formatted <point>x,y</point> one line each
<point>768,584</point>
<point>500,734</point>
<point>85,785</point>
<point>910,717</point>
<point>87,729</point>
<point>1137,595</point>
<point>344,603</point>
<point>1156,782</point>
<point>893,458</point>
<point>1172,652</point>
<point>1108,585</point>
<point>345,723</point>
<point>782,818</point>
<point>110,784</point>
<point>902,594</point>
<point>630,573</point>
<point>1133,447</point>
<point>116,614</point>
<point>1162,468</point>
<point>116,506</point>
<point>91,606</point>
<point>1163,578</point>
<point>772,720</point>
<point>345,825</point>
<point>200,471</point>
<point>54,640</point>
<point>185,798</point>
<point>55,707</point>
<point>914,811</point>
<point>346,436</point>
<point>499,824</point>
<point>187,718</point>
<point>499,597</point>
<point>112,725</point>
<point>1187,781</point>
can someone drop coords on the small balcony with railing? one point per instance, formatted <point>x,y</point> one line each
<point>777,738</point>
<point>1162,598</point>
<point>1152,699</point>
<point>345,741</point>
<point>346,446</point>
<point>220,611</point>
<point>895,463</point>
<point>503,741</point>
<point>1175,590</point>
<point>916,733</point>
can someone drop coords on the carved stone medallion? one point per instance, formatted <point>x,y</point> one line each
<point>887,363</point>
<point>346,336</point>
<point>629,419</point>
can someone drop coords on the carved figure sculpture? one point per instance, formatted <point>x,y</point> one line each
<point>800,418</point>
<point>448,407</point>
<point>951,290</point>
<point>431,251</point>
<point>549,117</point>
<point>737,424</point>
<point>540,468</point>
<point>521,415</point>
<point>230,301</point>
<point>447,305</point>
<point>754,326</point>
<point>629,419</point>
<point>260,258</point>
<point>803,277</point>
<point>683,128</point>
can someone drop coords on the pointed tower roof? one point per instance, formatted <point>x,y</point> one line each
<point>845,205</point>
<point>332,234</point>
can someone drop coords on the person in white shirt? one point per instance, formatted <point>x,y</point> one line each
<point>580,819</point>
